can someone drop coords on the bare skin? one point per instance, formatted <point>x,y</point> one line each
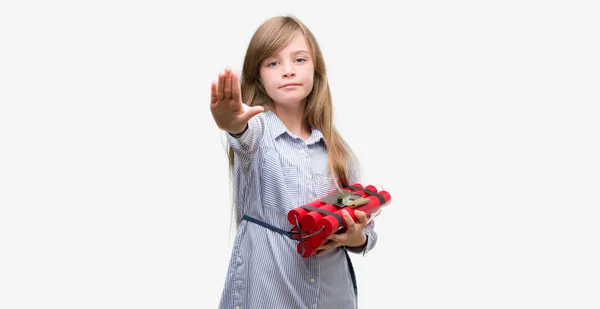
<point>226,104</point>
<point>353,238</point>
<point>231,115</point>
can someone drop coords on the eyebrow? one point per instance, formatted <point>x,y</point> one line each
<point>293,53</point>
<point>300,51</point>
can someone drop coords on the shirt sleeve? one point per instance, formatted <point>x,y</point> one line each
<point>354,177</point>
<point>371,238</point>
<point>246,145</point>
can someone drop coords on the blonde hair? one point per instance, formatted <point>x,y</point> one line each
<point>268,39</point>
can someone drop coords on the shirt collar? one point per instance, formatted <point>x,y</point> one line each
<point>278,128</point>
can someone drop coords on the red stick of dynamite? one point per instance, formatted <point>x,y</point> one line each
<point>317,220</point>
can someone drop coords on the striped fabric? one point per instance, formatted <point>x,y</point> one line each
<point>276,171</point>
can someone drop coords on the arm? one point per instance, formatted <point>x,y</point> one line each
<point>371,240</point>
<point>244,130</point>
<point>246,143</point>
<point>360,236</point>
<point>369,230</point>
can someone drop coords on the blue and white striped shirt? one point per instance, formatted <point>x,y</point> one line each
<point>276,171</point>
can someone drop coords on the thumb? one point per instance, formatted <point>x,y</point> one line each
<point>253,111</point>
<point>361,216</point>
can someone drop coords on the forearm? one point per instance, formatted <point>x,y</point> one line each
<point>361,248</point>
<point>370,241</point>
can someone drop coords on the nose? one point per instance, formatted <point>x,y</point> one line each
<point>288,70</point>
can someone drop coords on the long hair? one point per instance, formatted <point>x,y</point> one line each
<point>268,39</point>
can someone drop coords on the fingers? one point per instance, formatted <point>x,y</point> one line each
<point>251,112</point>
<point>321,252</point>
<point>235,88</point>
<point>227,86</point>
<point>352,236</point>
<point>213,93</point>
<point>328,246</point>
<point>361,216</point>
<point>338,237</point>
<point>256,110</point>
<point>349,221</point>
<point>226,101</point>
<point>220,93</point>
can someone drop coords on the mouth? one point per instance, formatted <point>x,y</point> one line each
<point>290,85</point>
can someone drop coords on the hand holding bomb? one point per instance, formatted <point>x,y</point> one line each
<point>314,222</point>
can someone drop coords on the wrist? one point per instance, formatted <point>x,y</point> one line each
<point>240,133</point>
<point>361,243</point>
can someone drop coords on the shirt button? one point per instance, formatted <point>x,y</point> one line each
<point>302,152</point>
<point>312,280</point>
<point>237,307</point>
<point>314,305</point>
<point>239,261</point>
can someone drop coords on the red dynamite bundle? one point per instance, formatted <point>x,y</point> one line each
<point>317,220</point>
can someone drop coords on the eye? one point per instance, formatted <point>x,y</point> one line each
<point>301,60</point>
<point>272,64</point>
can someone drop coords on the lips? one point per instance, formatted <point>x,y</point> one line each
<point>289,84</point>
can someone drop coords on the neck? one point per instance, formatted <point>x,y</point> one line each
<point>293,119</point>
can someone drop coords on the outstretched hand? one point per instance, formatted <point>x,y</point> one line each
<point>354,235</point>
<point>226,105</point>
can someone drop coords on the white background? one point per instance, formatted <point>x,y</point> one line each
<point>480,118</point>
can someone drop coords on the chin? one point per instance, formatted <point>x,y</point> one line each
<point>290,102</point>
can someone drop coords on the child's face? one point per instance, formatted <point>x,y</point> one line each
<point>288,75</point>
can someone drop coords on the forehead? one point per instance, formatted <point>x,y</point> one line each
<point>295,45</point>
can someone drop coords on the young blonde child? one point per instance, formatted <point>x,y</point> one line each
<point>284,152</point>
